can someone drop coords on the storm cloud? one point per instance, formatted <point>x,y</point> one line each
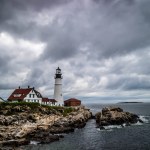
<point>102,46</point>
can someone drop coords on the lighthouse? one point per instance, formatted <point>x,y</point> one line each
<point>58,87</point>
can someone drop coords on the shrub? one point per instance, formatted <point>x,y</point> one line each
<point>34,107</point>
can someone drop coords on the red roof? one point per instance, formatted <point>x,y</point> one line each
<point>20,94</point>
<point>72,99</point>
<point>45,100</point>
<point>52,100</point>
<point>48,100</point>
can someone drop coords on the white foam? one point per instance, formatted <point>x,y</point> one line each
<point>144,118</point>
<point>113,127</point>
<point>98,129</point>
<point>137,124</point>
<point>110,128</point>
<point>34,142</point>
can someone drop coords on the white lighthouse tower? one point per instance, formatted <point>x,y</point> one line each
<point>58,87</point>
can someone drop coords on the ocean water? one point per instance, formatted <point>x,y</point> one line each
<point>135,137</point>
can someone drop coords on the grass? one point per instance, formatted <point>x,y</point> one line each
<point>35,107</point>
<point>31,105</point>
<point>67,110</point>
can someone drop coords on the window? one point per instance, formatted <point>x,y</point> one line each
<point>30,95</point>
<point>17,95</point>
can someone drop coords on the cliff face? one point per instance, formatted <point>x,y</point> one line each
<point>23,122</point>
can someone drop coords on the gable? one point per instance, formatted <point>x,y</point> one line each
<point>33,94</point>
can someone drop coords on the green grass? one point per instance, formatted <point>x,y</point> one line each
<point>31,105</point>
<point>67,110</point>
<point>35,107</point>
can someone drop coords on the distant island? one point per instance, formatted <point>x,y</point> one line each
<point>130,102</point>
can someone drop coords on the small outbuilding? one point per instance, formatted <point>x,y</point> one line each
<point>72,102</point>
<point>47,101</point>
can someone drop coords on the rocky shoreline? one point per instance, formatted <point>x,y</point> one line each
<point>20,125</point>
<point>115,116</point>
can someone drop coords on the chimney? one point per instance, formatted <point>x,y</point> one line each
<point>19,87</point>
<point>28,86</point>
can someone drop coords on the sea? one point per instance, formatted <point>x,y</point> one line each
<point>134,137</point>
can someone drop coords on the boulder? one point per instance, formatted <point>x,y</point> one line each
<point>43,136</point>
<point>14,143</point>
<point>115,116</point>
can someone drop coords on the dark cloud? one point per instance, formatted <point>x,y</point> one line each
<point>113,29</point>
<point>99,44</point>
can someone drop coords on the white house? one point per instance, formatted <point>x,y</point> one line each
<point>30,95</point>
<point>26,95</point>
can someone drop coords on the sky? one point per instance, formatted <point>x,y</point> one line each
<point>102,47</point>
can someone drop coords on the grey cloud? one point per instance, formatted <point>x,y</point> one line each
<point>110,29</point>
<point>127,83</point>
<point>84,34</point>
<point>61,47</point>
<point>136,84</point>
<point>14,16</point>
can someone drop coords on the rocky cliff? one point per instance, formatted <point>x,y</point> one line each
<point>21,123</point>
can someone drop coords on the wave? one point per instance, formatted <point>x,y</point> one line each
<point>34,142</point>
<point>145,119</point>
<point>109,129</point>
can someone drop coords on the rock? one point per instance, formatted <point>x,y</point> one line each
<point>43,137</point>
<point>127,124</point>
<point>61,136</point>
<point>141,121</point>
<point>55,130</point>
<point>31,118</point>
<point>115,116</point>
<point>101,128</point>
<point>49,139</point>
<point>22,123</point>
<point>118,109</point>
<point>14,143</point>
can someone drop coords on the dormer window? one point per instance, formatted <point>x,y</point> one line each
<point>17,95</point>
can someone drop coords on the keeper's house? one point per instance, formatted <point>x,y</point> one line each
<point>30,95</point>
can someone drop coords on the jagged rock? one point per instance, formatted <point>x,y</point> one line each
<point>49,139</point>
<point>115,116</point>
<point>21,122</point>
<point>43,137</point>
<point>141,121</point>
<point>62,129</point>
<point>14,143</point>
<point>102,128</point>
